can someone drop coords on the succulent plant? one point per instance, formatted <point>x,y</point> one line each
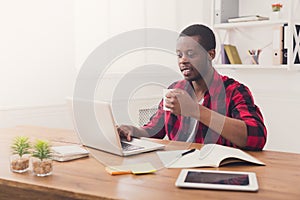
<point>41,150</point>
<point>21,145</point>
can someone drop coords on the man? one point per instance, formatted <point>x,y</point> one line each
<point>205,107</point>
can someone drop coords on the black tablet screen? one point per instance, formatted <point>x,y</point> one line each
<point>217,178</point>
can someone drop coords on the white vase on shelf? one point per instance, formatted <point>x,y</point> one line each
<point>275,15</point>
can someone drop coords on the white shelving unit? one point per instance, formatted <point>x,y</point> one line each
<point>226,32</point>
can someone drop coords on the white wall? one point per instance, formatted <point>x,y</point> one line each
<point>91,23</point>
<point>37,59</point>
<point>44,44</point>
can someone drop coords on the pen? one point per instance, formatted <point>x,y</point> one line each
<point>187,152</point>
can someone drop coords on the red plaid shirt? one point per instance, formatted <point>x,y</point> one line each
<point>225,96</point>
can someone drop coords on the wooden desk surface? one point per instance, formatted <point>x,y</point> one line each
<point>87,179</point>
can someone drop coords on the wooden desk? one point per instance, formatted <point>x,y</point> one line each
<point>87,179</point>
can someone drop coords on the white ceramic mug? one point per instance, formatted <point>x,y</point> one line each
<point>165,91</point>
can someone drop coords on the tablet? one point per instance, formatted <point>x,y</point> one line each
<point>220,180</point>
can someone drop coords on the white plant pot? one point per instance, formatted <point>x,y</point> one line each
<point>275,15</point>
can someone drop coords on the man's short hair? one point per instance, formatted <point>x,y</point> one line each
<point>206,36</point>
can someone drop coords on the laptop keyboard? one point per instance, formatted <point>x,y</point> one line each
<point>129,147</point>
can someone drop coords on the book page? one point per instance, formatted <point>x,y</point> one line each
<point>217,153</point>
<point>210,155</point>
<point>173,159</point>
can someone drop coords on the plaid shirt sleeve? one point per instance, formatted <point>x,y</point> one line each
<point>243,108</point>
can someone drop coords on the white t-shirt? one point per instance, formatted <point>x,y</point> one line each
<point>193,126</point>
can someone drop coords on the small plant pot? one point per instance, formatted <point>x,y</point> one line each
<point>19,164</point>
<point>42,167</point>
<point>275,15</point>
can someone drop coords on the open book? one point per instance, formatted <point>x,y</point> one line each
<point>210,155</point>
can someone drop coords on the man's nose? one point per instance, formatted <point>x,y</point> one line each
<point>184,58</point>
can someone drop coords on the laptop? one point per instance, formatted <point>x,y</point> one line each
<point>96,128</point>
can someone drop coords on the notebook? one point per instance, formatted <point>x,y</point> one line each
<point>68,152</point>
<point>96,128</point>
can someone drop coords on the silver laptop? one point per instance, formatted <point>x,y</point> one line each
<point>96,128</point>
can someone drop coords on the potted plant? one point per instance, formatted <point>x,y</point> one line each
<point>276,14</point>
<point>276,7</point>
<point>41,161</point>
<point>20,158</point>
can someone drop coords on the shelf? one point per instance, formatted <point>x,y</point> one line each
<point>249,66</point>
<point>254,34</point>
<point>249,24</point>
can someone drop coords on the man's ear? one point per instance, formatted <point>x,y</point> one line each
<point>212,54</point>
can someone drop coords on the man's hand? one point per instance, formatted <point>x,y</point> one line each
<point>126,131</point>
<point>181,103</point>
